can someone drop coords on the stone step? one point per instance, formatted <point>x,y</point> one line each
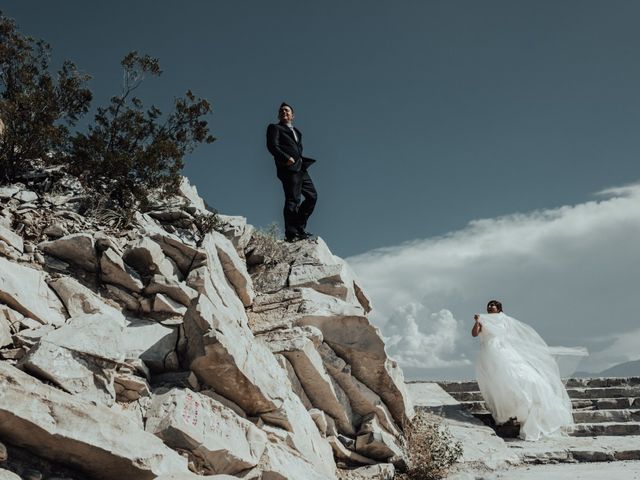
<point>605,403</point>
<point>604,392</point>
<point>569,383</point>
<point>585,416</point>
<point>603,382</point>
<point>601,416</point>
<point>593,429</point>
<point>579,404</point>
<point>574,393</point>
<point>605,429</point>
<point>577,449</point>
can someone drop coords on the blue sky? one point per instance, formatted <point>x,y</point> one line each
<point>425,116</point>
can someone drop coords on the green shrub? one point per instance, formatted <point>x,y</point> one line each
<point>36,106</point>
<point>129,151</point>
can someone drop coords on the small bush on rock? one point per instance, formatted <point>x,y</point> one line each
<point>128,151</point>
<point>266,245</point>
<point>431,449</point>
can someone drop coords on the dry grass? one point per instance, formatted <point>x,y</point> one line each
<point>431,449</point>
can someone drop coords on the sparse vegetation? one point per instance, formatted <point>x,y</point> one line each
<point>127,153</point>
<point>267,245</point>
<point>431,449</point>
<point>37,107</point>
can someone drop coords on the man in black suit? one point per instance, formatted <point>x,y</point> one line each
<point>284,142</point>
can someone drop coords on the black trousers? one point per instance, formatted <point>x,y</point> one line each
<point>297,185</point>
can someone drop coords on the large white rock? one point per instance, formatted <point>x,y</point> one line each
<point>92,438</point>
<point>360,344</point>
<point>114,270</point>
<point>363,400</point>
<point>282,463</point>
<point>77,249</point>
<point>5,331</point>
<point>219,440</point>
<point>234,268</point>
<point>297,346</point>
<point>224,354</point>
<point>12,238</point>
<point>80,300</point>
<point>295,382</point>
<point>24,289</point>
<point>275,310</point>
<point>147,257</point>
<point>316,267</point>
<point>236,229</point>
<point>178,291</point>
<point>149,341</point>
<point>81,356</point>
<point>375,442</point>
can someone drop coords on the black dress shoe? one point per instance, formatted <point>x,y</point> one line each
<point>292,238</point>
<point>305,235</point>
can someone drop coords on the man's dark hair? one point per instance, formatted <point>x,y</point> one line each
<point>496,303</point>
<point>284,104</point>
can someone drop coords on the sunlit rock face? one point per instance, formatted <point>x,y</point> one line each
<point>158,350</point>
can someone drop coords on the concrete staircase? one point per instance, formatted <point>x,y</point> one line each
<point>606,412</point>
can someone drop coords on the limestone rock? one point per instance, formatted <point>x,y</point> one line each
<point>25,290</point>
<point>8,191</point>
<point>363,400</point>
<point>65,429</point>
<point>316,267</point>
<point>381,471</point>
<point>282,463</point>
<point>80,300</point>
<point>270,278</point>
<point>147,257</point>
<point>373,441</point>
<point>12,238</point>
<point>349,456</point>
<point>5,332</point>
<point>236,229</point>
<point>173,288</point>
<point>276,310</point>
<point>360,344</point>
<point>224,355</point>
<point>295,383</point>
<point>297,346</point>
<point>26,196</point>
<point>129,387</point>
<point>234,268</point>
<point>185,256</point>
<point>122,297</point>
<point>149,341</point>
<point>77,249</point>
<point>81,356</point>
<point>164,304</point>
<point>220,441</point>
<point>115,271</point>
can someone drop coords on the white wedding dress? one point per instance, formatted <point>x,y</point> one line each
<point>519,378</point>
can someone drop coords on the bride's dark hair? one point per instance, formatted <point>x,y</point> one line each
<point>496,303</point>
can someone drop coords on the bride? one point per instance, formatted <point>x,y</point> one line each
<point>518,377</point>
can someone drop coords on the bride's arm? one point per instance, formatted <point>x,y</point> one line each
<point>477,327</point>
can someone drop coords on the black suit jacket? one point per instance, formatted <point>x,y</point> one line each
<point>282,145</point>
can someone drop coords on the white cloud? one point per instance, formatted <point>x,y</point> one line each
<point>572,273</point>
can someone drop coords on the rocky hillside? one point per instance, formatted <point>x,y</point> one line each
<point>157,351</point>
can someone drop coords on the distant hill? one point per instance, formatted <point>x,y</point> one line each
<point>626,369</point>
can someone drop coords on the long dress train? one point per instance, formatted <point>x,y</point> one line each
<point>519,378</point>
